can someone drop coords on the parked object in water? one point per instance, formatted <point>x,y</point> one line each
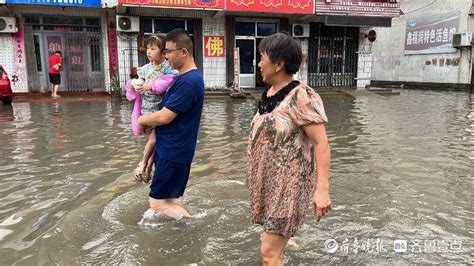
<point>6,93</point>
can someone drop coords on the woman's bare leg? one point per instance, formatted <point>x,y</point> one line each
<point>272,247</point>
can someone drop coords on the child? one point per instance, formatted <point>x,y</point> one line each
<point>153,80</point>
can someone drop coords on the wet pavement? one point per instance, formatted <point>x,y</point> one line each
<point>402,170</point>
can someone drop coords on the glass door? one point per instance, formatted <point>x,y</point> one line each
<point>247,61</point>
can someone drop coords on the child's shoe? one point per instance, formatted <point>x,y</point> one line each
<point>147,175</point>
<point>139,172</point>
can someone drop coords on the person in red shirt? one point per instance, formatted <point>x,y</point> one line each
<point>55,63</point>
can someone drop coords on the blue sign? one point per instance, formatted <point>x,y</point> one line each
<point>78,3</point>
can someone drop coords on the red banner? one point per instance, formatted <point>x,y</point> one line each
<point>214,46</point>
<point>113,51</point>
<point>381,8</point>
<point>273,6</point>
<point>206,4</point>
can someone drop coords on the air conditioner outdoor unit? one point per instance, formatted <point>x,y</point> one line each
<point>300,30</point>
<point>128,24</point>
<point>8,25</point>
<point>461,39</point>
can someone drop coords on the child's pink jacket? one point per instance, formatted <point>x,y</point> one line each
<point>158,87</point>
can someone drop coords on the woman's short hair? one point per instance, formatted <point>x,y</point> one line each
<point>280,47</point>
<point>157,40</point>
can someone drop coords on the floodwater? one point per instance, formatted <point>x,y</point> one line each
<point>402,173</point>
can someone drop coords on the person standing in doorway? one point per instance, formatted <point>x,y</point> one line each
<point>55,63</point>
<point>176,127</point>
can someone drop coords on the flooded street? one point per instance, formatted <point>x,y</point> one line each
<point>402,169</point>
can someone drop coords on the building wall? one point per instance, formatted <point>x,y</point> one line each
<point>7,59</point>
<point>214,68</point>
<point>390,64</point>
<point>364,62</point>
<point>7,51</point>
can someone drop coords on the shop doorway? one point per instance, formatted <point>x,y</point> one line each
<point>248,37</point>
<point>246,47</point>
<point>80,41</point>
<point>332,58</point>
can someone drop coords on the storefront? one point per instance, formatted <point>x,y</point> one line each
<point>152,17</point>
<point>246,30</point>
<point>75,29</point>
<point>339,51</point>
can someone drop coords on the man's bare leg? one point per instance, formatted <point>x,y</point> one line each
<point>169,207</point>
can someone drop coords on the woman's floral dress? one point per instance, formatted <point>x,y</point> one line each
<point>281,170</point>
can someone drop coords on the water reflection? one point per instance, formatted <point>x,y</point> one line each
<point>402,169</point>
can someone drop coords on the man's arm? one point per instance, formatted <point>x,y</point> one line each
<point>160,118</point>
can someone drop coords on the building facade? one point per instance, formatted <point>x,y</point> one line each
<point>417,51</point>
<point>77,28</point>
<point>103,42</point>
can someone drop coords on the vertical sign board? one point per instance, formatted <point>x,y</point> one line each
<point>18,77</point>
<point>236,86</point>
<point>431,34</point>
<point>113,50</point>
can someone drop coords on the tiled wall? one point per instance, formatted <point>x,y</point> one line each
<point>364,66</point>
<point>214,68</point>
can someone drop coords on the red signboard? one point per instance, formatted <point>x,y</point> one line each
<point>273,6</point>
<point>214,46</point>
<point>206,4</point>
<point>113,51</point>
<point>381,8</point>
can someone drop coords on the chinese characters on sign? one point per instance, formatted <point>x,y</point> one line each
<point>431,34</point>
<point>18,76</point>
<point>382,8</point>
<point>113,51</point>
<point>210,4</point>
<point>214,46</point>
<point>76,57</point>
<point>273,6</point>
<point>236,85</point>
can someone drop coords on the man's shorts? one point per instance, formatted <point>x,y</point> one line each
<point>169,180</point>
<point>55,79</point>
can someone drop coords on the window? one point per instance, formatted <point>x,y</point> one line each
<point>152,26</point>
<point>37,53</point>
<point>93,22</point>
<point>148,26</point>
<point>32,19</point>
<point>265,29</point>
<point>94,50</point>
<point>245,28</point>
<point>62,20</point>
<point>167,25</point>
